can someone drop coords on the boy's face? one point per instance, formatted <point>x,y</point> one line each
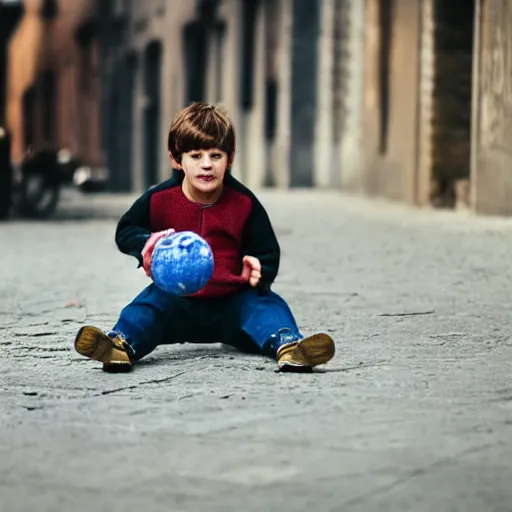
<point>204,171</point>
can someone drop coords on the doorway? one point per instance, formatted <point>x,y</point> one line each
<point>304,66</point>
<point>151,113</point>
<point>127,98</point>
<point>451,123</point>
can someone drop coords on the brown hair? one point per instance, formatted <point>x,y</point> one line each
<point>201,126</point>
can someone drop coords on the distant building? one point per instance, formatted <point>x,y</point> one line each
<point>105,78</point>
<point>417,90</point>
<point>437,112</point>
<point>10,14</point>
<point>53,77</point>
<point>282,68</point>
<point>406,99</point>
<point>491,113</point>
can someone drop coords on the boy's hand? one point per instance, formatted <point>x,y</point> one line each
<point>251,270</point>
<point>147,250</point>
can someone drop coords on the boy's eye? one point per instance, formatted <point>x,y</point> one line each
<point>213,156</point>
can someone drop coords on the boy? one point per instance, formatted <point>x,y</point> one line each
<point>237,306</point>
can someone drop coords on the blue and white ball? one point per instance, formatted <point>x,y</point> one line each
<point>182,263</point>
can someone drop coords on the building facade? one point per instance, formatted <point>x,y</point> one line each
<point>491,170</point>
<point>53,80</point>
<point>437,109</point>
<point>106,78</point>
<point>406,99</point>
<point>281,68</point>
<point>10,14</point>
<point>143,85</point>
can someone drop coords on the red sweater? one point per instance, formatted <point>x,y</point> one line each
<point>235,226</point>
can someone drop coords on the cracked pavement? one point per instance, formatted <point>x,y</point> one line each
<point>413,414</point>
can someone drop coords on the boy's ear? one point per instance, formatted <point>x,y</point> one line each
<point>174,163</point>
<point>231,159</point>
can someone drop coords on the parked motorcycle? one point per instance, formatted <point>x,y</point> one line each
<point>37,184</point>
<point>5,174</point>
<point>38,180</point>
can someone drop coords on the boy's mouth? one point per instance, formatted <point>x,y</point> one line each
<point>206,177</point>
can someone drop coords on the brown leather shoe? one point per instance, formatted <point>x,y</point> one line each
<point>306,353</point>
<point>113,351</point>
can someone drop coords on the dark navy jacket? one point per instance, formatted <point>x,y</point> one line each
<point>237,225</point>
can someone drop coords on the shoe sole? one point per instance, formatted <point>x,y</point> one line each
<point>315,350</point>
<point>93,343</point>
<point>117,367</point>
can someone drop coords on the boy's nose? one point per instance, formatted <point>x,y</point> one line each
<point>206,162</point>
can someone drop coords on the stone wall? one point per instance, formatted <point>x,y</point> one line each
<point>492,124</point>
<point>391,115</point>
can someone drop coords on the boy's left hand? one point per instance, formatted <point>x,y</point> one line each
<point>251,270</point>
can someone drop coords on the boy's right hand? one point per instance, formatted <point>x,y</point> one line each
<point>147,250</point>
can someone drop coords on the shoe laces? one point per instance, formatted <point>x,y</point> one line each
<point>282,337</point>
<point>119,337</point>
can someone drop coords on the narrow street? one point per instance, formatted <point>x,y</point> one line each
<point>413,414</point>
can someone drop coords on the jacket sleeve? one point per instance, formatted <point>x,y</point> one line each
<point>260,241</point>
<point>134,228</point>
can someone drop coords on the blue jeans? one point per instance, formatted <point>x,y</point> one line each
<point>245,320</point>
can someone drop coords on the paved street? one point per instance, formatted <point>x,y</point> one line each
<point>414,413</point>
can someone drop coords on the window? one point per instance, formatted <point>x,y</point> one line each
<point>49,9</point>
